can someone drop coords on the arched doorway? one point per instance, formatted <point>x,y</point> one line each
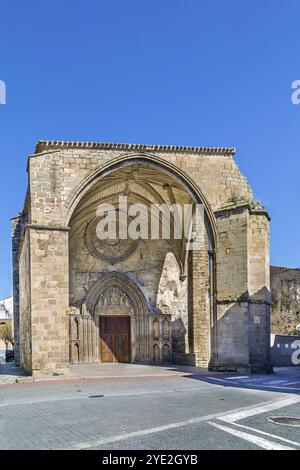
<point>147,181</point>
<point>114,324</point>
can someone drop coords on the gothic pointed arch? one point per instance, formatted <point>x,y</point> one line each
<point>149,161</point>
<point>122,283</point>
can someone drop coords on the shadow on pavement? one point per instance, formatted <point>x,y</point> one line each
<point>283,379</point>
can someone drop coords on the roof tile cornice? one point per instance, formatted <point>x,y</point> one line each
<point>44,145</point>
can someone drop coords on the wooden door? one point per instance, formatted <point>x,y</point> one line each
<point>115,339</point>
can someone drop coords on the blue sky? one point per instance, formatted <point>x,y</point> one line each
<point>186,72</point>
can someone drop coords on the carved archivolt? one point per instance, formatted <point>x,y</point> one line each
<point>114,297</point>
<point>116,289</point>
<point>145,179</point>
<point>114,294</point>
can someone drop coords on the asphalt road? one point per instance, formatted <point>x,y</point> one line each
<point>152,413</point>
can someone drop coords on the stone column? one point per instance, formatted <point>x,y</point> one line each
<point>259,291</point>
<point>243,296</point>
<point>49,299</point>
<point>198,304</point>
<point>214,359</point>
<point>232,289</point>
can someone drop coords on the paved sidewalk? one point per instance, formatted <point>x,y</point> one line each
<point>287,378</point>
<point>131,370</point>
<point>9,373</point>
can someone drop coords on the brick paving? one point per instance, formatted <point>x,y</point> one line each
<point>68,412</point>
<point>54,415</point>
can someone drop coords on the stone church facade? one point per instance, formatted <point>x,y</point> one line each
<point>81,299</point>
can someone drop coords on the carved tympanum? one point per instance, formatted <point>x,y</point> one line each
<point>114,297</point>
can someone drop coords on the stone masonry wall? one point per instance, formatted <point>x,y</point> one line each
<point>259,290</point>
<point>243,287</point>
<point>152,267</point>
<point>49,300</point>
<point>232,255</point>
<point>55,176</point>
<point>172,298</point>
<point>258,256</point>
<point>285,310</point>
<point>25,304</point>
<point>16,238</point>
<point>199,306</point>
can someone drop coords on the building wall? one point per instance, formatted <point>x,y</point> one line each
<point>24,326</point>
<point>232,287</point>
<point>243,287</point>
<point>172,299</point>
<point>150,267</point>
<point>56,174</point>
<point>220,314</point>
<point>144,266</point>
<point>49,300</point>
<point>259,290</point>
<point>285,310</point>
<point>17,227</point>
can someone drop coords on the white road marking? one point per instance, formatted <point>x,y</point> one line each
<point>122,437</point>
<point>278,382</point>
<point>224,381</point>
<point>143,432</point>
<point>237,416</point>
<point>236,378</point>
<point>259,441</point>
<point>267,434</point>
<point>260,385</point>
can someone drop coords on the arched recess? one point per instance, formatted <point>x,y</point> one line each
<point>172,297</point>
<point>138,317</point>
<point>121,282</point>
<point>151,161</point>
<point>171,172</point>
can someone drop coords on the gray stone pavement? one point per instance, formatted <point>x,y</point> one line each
<point>167,408</point>
<point>9,373</point>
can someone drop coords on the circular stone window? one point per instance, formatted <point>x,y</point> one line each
<point>111,250</point>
